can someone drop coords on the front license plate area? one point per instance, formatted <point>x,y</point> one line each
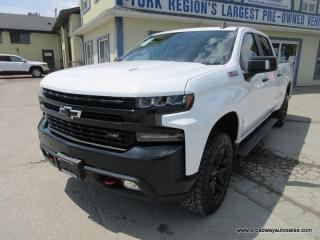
<point>70,166</point>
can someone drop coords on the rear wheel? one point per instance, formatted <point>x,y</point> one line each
<point>213,176</point>
<point>282,113</point>
<point>36,72</point>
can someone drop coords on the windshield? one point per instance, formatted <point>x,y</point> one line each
<point>206,47</point>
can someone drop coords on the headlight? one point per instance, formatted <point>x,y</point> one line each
<point>184,102</point>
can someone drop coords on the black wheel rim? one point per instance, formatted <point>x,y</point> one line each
<point>218,177</point>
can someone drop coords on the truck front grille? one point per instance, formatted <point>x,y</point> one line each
<point>91,135</point>
<point>91,101</point>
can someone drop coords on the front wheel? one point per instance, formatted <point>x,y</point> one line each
<point>213,176</point>
<point>36,72</point>
<point>282,113</point>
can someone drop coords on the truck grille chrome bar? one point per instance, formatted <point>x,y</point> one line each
<point>92,101</point>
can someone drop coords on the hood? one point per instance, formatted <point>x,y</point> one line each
<point>126,79</point>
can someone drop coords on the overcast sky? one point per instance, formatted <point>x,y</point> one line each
<point>44,7</point>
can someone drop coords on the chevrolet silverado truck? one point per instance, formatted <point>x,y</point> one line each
<point>166,121</point>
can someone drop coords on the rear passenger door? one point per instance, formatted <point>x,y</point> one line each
<point>4,63</point>
<point>271,78</point>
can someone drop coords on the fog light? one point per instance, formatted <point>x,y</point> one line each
<point>130,185</point>
<point>160,137</point>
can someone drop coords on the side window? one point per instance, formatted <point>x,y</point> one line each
<point>248,49</point>
<point>265,45</point>
<point>15,59</point>
<point>4,59</point>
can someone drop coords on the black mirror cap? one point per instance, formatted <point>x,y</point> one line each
<point>262,64</point>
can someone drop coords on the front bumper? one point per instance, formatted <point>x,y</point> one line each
<point>45,70</point>
<point>158,171</point>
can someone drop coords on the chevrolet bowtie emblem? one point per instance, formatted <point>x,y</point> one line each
<point>68,112</point>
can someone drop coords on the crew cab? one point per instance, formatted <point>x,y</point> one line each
<point>166,121</point>
<point>13,64</point>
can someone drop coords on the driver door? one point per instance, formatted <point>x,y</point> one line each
<point>256,102</point>
<point>4,63</point>
<point>17,64</point>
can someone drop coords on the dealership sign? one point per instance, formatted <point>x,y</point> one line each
<point>230,11</point>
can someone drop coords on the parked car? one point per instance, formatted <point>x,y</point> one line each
<point>13,64</point>
<point>168,119</point>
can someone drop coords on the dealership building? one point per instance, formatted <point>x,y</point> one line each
<point>30,37</point>
<point>109,28</point>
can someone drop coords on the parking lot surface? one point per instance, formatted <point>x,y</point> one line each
<point>277,186</point>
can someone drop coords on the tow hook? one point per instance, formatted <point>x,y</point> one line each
<point>110,181</point>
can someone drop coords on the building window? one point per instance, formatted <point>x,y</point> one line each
<point>308,6</point>
<point>85,6</point>
<point>20,37</point>
<point>1,37</point>
<point>103,49</point>
<point>88,53</point>
<point>317,67</point>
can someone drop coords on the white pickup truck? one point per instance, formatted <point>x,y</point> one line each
<point>166,121</point>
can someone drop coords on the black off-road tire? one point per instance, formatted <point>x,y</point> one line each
<point>282,113</point>
<point>204,198</point>
<point>36,72</point>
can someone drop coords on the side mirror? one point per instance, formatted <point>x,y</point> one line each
<point>262,64</point>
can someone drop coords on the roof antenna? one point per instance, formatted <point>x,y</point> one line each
<point>223,25</point>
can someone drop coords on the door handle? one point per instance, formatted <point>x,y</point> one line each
<point>265,80</point>
<point>279,75</point>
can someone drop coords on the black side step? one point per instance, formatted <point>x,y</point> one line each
<point>255,137</point>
